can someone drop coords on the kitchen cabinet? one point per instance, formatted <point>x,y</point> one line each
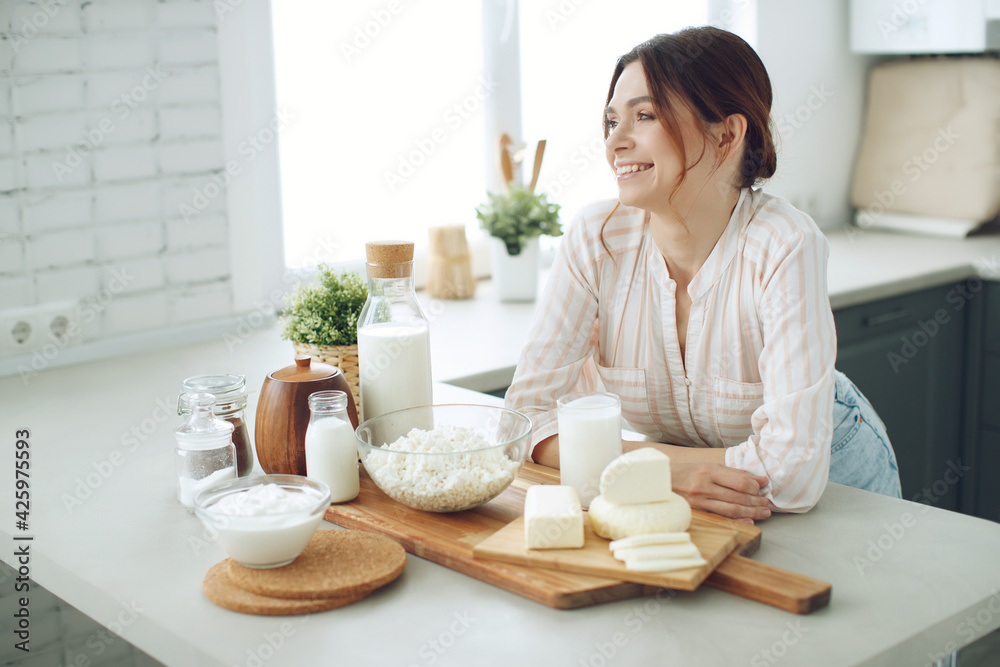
<point>906,354</point>
<point>982,448</point>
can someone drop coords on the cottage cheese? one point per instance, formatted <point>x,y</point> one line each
<point>441,477</point>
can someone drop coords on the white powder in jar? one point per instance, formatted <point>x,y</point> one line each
<point>441,477</point>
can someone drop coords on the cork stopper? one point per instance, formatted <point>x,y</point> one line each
<point>389,259</point>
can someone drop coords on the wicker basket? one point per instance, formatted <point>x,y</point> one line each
<point>344,357</point>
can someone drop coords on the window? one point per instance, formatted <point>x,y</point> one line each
<point>389,132</point>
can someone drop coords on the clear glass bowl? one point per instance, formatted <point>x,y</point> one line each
<point>445,481</point>
<point>269,538</point>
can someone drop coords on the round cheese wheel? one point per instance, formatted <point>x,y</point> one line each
<point>615,522</point>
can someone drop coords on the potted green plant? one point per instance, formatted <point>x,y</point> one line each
<point>322,321</point>
<point>515,219</point>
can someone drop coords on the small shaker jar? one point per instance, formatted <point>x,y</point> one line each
<point>204,454</point>
<point>331,450</point>
<point>230,404</point>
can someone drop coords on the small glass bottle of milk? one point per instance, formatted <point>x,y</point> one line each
<point>205,453</point>
<point>394,347</point>
<point>331,452</point>
<point>590,437</point>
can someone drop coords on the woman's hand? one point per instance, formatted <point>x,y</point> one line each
<point>722,490</point>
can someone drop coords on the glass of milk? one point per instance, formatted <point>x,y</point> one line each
<point>331,452</point>
<point>590,437</point>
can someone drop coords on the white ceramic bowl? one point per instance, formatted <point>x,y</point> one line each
<point>451,481</point>
<point>256,535</point>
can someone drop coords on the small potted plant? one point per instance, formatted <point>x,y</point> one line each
<point>322,321</point>
<point>515,219</point>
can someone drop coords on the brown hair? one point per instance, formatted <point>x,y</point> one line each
<point>716,74</point>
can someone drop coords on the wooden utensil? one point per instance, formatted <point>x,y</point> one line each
<point>539,151</point>
<point>506,165</point>
<point>449,540</point>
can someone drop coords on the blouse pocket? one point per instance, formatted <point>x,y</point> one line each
<point>733,405</point>
<point>629,384</point>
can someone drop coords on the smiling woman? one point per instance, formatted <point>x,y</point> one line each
<point>700,300</point>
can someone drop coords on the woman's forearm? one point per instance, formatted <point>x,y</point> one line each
<point>546,452</point>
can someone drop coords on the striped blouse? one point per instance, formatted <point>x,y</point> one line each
<point>760,346</point>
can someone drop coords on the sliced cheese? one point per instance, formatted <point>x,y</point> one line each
<point>553,518</point>
<point>650,538</point>
<point>639,476</point>
<point>614,522</point>
<point>658,552</point>
<point>665,565</point>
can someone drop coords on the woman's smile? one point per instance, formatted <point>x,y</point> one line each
<point>626,170</point>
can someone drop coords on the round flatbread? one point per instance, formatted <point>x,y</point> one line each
<point>335,563</point>
<point>218,588</point>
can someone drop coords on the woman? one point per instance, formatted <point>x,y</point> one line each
<point>701,302</point>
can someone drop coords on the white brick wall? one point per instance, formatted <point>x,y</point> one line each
<point>110,122</point>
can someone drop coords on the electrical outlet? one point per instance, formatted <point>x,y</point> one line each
<point>31,328</point>
<point>58,323</point>
<point>18,331</point>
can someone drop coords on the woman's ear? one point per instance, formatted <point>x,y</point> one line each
<point>732,132</point>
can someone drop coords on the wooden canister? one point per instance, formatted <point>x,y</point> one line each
<point>283,413</point>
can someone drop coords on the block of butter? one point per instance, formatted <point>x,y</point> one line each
<point>553,518</point>
<point>639,476</point>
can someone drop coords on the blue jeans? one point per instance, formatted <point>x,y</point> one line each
<point>861,455</point>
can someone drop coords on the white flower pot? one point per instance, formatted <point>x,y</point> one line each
<point>515,278</point>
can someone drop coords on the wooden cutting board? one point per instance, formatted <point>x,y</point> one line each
<point>507,544</point>
<point>448,539</point>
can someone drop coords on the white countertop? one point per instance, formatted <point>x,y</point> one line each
<point>909,581</point>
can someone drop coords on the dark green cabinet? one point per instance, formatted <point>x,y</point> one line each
<point>907,355</point>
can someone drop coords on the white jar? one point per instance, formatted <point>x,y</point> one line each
<point>331,451</point>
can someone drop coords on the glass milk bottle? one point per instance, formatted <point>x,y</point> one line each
<point>205,453</point>
<point>394,347</point>
<point>331,453</point>
<point>590,437</point>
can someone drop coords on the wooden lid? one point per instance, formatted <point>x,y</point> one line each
<point>304,370</point>
<point>389,259</point>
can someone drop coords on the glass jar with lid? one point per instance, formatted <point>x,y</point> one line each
<point>230,404</point>
<point>394,349</point>
<point>204,454</point>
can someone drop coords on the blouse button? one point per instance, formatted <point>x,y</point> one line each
<point>687,381</point>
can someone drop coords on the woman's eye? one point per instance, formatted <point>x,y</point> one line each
<point>646,116</point>
<point>610,124</point>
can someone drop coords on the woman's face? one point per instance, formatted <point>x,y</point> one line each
<point>642,157</point>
